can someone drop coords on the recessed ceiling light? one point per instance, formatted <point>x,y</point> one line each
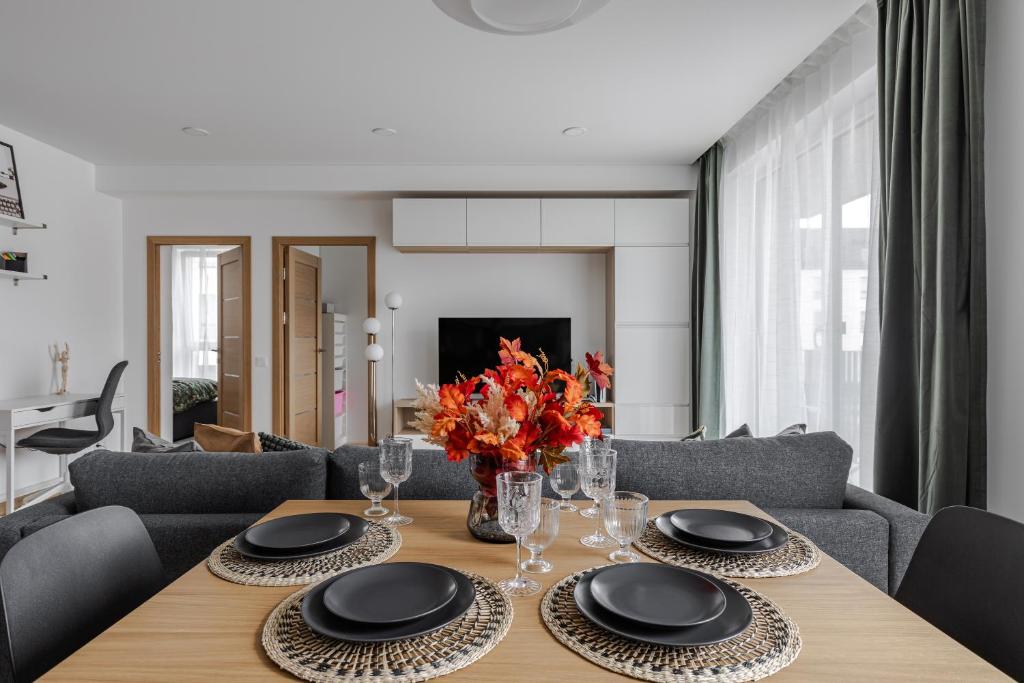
<point>386,132</point>
<point>574,131</point>
<point>197,132</point>
<point>519,17</point>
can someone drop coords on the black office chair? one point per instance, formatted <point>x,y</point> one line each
<point>965,579</point>
<point>66,583</point>
<point>63,441</point>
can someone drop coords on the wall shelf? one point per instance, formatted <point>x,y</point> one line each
<point>13,275</point>
<point>16,224</point>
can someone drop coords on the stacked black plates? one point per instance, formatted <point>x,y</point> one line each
<point>663,605</point>
<point>386,602</point>
<point>722,531</point>
<point>298,536</point>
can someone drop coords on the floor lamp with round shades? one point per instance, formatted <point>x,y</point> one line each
<point>393,300</point>
<point>374,353</point>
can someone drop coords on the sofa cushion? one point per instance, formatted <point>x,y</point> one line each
<point>226,440</point>
<point>170,483</point>
<point>805,471</point>
<point>434,477</point>
<point>858,539</point>
<point>183,541</point>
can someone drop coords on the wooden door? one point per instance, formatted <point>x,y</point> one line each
<point>232,383</point>
<point>302,346</point>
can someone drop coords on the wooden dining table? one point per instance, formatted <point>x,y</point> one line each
<point>202,628</point>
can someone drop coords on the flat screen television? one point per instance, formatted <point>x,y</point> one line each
<point>470,345</point>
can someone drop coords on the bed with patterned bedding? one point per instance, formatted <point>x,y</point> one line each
<point>195,400</point>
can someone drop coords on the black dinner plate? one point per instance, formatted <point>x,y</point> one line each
<point>321,621</point>
<point>730,623</point>
<point>657,594</point>
<point>356,528</point>
<point>778,539</point>
<point>390,593</point>
<point>721,526</point>
<point>297,532</point>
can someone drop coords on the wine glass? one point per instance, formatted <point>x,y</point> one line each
<point>395,467</point>
<point>542,537</point>
<point>519,516</point>
<point>593,446</point>
<point>373,486</point>
<point>565,481</point>
<point>625,516</point>
<point>597,477</point>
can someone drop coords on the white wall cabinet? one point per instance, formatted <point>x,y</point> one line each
<point>652,364</point>
<point>586,223</point>
<point>503,222</point>
<point>652,222</point>
<point>652,285</point>
<point>429,223</point>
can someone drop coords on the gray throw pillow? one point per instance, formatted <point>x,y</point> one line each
<point>793,430</point>
<point>144,442</point>
<point>741,432</point>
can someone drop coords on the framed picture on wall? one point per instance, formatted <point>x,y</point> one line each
<point>10,191</point>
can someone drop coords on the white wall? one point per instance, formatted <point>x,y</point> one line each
<point>432,285</point>
<point>1004,150</point>
<point>81,303</point>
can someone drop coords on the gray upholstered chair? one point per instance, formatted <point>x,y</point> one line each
<point>965,579</point>
<point>67,583</point>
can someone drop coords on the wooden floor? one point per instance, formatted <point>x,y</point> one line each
<point>202,628</point>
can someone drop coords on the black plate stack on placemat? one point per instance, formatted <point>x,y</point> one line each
<point>301,549</point>
<point>727,544</point>
<point>661,623</point>
<point>346,627</point>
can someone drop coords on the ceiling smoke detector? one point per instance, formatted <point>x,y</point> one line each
<point>574,131</point>
<point>195,132</point>
<point>385,132</point>
<point>519,17</point>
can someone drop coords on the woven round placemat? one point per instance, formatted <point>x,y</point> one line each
<point>378,544</point>
<point>768,645</point>
<point>311,657</point>
<point>797,556</point>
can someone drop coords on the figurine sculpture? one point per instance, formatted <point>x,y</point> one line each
<point>62,357</point>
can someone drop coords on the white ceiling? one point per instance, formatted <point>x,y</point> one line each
<point>655,81</point>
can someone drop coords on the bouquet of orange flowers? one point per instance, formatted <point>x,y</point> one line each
<point>518,411</point>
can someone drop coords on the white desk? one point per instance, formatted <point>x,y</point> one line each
<point>37,411</point>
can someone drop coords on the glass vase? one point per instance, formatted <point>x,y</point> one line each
<point>482,520</point>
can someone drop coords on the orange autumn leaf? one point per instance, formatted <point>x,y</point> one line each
<point>452,398</point>
<point>516,407</point>
<point>573,393</point>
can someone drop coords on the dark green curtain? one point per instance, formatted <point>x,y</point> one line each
<point>705,299</point>
<point>930,422</point>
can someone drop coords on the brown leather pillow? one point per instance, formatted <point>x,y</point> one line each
<point>217,439</point>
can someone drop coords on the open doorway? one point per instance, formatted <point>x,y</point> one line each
<point>199,334</point>
<point>324,289</point>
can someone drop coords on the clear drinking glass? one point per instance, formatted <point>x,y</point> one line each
<point>625,516</point>
<point>373,487</point>
<point>593,446</point>
<point>544,535</point>
<point>395,467</point>
<point>565,481</point>
<point>519,515</point>
<point>597,477</point>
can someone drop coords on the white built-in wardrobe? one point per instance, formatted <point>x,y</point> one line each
<point>648,282</point>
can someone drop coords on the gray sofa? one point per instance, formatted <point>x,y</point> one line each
<point>190,502</point>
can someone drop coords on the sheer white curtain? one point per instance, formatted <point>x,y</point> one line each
<point>798,250</point>
<point>194,310</point>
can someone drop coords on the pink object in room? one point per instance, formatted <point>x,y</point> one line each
<point>339,403</point>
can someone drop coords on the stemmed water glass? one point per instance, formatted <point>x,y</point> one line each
<point>373,486</point>
<point>625,516</point>
<point>597,477</point>
<point>395,467</point>
<point>542,537</point>
<point>565,481</point>
<point>519,515</point>
<point>593,446</point>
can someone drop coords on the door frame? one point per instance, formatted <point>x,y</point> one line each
<point>153,281</point>
<point>277,303</point>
